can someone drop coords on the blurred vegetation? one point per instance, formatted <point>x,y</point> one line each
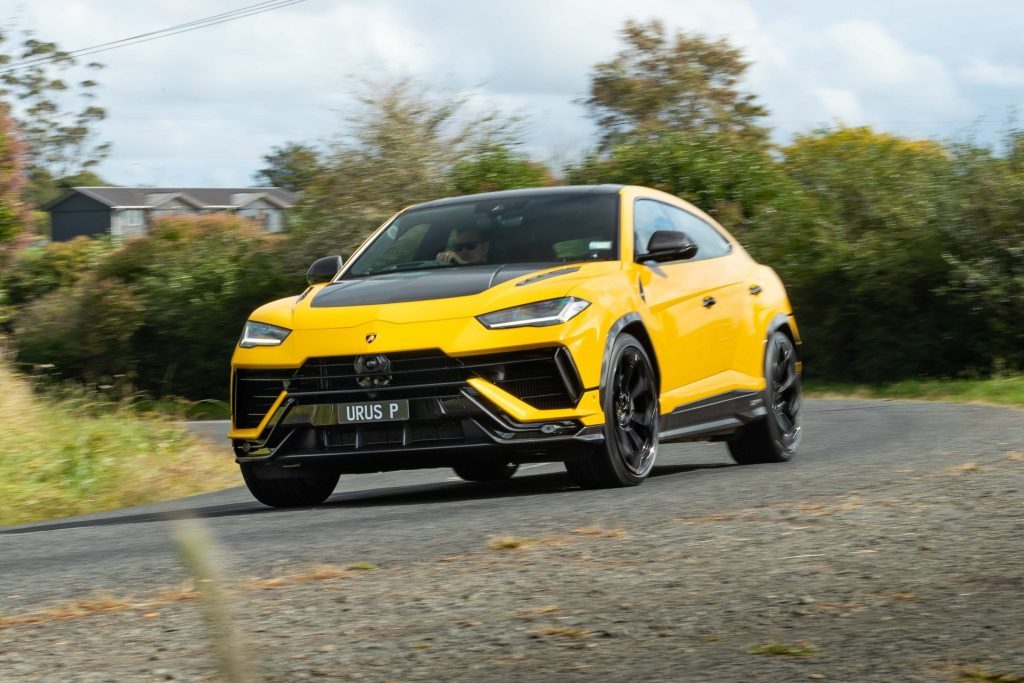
<point>98,454</point>
<point>57,114</point>
<point>43,187</point>
<point>13,214</point>
<point>161,312</point>
<point>293,166</point>
<point>683,82</point>
<point>997,390</point>
<point>404,146</point>
<point>903,258</point>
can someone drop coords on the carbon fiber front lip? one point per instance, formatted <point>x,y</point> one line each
<point>501,430</point>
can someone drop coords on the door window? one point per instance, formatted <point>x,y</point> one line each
<point>649,216</point>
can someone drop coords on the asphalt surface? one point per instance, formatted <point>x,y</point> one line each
<point>398,517</point>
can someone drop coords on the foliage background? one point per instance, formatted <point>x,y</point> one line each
<point>903,258</point>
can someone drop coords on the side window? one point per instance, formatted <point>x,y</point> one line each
<point>710,244</point>
<point>650,216</point>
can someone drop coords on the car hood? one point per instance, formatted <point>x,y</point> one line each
<point>441,294</point>
<point>421,285</point>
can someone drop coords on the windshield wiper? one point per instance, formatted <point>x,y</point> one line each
<point>409,266</point>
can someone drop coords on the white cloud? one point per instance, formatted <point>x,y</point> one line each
<point>841,106</point>
<point>857,72</point>
<point>984,72</point>
<point>202,107</point>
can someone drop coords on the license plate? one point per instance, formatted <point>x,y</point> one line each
<point>373,411</point>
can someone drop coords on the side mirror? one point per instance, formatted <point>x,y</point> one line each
<point>669,245</point>
<point>323,269</point>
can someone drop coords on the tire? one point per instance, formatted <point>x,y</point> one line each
<point>487,470</point>
<point>291,492</point>
<point>632,414</point>
<point>776,437</point>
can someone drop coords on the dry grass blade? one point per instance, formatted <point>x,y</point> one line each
<point>988,677</point>
<point>535,612</point>
<point>510,543</point>
<point>560,632</point>
<point>782,650</point>
<point>86,607</point>
<point>599,532</point>
<point>197,552</point>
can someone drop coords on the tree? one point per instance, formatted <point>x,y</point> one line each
<point>744,189</point>
<point>685,82</point>
<point>498,168</point>
<point>986,251</point>
<point>293,166</point>
<point>401,148</point>
<point>42,187</point>
<point>59,133</point>
<point>879,294</point>
<point>12,210</point>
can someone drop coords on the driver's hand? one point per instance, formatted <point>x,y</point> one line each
<point>450,257</point>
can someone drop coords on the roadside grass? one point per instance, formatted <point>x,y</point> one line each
<point>64,455</point>
<point>1007,391</point>
<point>183,409</point>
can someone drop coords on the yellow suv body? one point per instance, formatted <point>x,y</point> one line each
<point>578,324</point>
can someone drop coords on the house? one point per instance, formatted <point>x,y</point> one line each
<point>126,211</point>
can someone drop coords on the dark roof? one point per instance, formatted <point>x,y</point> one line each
<point>141,197</point>
<point>564,190</point>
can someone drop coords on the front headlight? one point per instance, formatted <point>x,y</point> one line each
<point>261,334</point>
<point>540,314</point>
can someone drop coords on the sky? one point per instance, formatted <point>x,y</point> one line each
<point>202,108</point>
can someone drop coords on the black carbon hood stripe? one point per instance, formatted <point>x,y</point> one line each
<point>423,285</point>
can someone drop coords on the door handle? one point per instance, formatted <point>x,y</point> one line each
<point>709,301</point>
<point>755,289</point>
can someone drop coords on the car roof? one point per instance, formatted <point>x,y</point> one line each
<point>565,190</point>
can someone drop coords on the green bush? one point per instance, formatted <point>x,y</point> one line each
<point>164,311</point>
<point>83,332</point>
<point>39,270</point>
<point>902,257</point>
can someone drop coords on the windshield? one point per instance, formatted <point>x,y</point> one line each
<point>541,229</point>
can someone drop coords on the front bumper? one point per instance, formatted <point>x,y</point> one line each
<point>444,432</point>
<point>460,410</point>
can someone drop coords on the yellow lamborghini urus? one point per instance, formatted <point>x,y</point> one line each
<point>585,325</point>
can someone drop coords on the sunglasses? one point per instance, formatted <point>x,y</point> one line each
<point>468,245</point>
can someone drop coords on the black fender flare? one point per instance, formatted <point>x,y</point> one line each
<point>781,320</point>
<point>609,340</point>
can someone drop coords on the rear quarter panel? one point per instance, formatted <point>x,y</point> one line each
<point>771,303</point>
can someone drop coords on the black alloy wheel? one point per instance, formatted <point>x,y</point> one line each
<point>777,436</point>
<point>632,415</point>
<point>785,389</point>
<point>487,470</point>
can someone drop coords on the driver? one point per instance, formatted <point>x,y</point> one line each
<point>468,249</point>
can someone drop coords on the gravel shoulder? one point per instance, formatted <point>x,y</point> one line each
<point>882,565</point>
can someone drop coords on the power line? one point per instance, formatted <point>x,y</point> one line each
<point>240,13</point>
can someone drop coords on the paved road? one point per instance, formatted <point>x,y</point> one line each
<point>405,516</point>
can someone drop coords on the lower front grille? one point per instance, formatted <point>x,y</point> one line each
<point>253,393</point>
<point>414,433</point>
<point>543,378</point>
